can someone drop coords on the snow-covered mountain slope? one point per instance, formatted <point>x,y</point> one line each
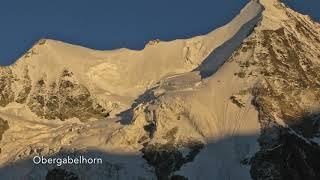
<point>280,60</point>
<point>105,81</point>
<point>236,103</point>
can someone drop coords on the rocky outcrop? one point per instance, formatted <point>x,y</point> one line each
<point>25,88</point>
<point>169,158</point>
<point>61,174</point>
<point>6,80</point>
<point>289,157</point>
<point>4,126</point>
<point>64,99</point>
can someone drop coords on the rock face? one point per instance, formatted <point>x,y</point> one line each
<point>240,102</point>
<point>62,99</point>
<point>5,86</point>
<point>3,127</point>
<point>61,174</point>
<point>168,158</point>
<point>290,157</point>
<point>286,60</point>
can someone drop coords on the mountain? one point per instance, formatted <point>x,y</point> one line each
<point>241,102</point>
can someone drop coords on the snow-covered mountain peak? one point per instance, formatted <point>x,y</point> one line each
<point>216,105</point>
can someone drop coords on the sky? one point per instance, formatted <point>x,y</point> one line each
<point>309,7</point>
<point>112,24</point>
